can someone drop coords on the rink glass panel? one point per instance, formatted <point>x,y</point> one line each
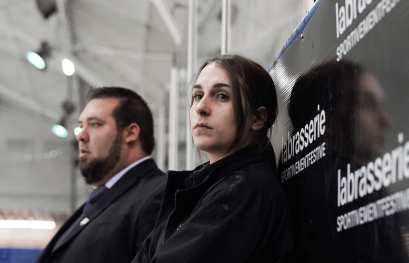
<point>342,134</point>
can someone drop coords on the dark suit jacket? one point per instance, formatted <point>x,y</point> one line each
<point>118,222</point>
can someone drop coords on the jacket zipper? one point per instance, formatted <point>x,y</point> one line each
<point>167,221</point>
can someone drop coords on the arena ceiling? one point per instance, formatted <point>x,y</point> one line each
<point>124,43</point>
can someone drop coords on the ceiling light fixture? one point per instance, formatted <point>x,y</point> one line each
<point>77,131</point>
<point>38,58</point>
<point>68,67</point>
<point>59,129</point>
<point>46,7</point>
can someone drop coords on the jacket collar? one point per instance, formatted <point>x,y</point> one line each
<point>205,175</point>
<point>127,181</point>
<point>224,166</point>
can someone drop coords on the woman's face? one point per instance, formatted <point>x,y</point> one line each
<point>371,119</point>
<point>212,120</point>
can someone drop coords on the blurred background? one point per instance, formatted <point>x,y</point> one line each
<point>150,46</point>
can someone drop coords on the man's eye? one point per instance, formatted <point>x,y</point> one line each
<point>95,124</point>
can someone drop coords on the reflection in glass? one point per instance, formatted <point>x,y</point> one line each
<point>352,134</point>
<point>354,103</point>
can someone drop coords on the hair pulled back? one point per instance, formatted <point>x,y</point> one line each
<point>251,82</point>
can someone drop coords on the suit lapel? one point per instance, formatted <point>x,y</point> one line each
<point>49,248</point>
<point>124,184</point>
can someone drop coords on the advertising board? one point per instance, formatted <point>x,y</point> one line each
<point>342,134</point>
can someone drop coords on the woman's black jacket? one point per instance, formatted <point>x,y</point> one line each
<point>233,210</point>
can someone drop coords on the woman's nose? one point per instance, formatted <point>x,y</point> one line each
<point>203,107</point>
<point>384,118</point>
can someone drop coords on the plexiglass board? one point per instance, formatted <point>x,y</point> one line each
<point>342,134</point>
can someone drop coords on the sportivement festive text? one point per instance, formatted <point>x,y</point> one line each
<point>300,140</point>
<point>346,14</point>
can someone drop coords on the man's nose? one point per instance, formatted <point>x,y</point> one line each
<point>82,136</point>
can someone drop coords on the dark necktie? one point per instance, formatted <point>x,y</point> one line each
<point>92,199</point>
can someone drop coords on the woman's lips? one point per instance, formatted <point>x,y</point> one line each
<point>202,126</point>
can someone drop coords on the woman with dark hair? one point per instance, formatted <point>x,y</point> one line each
<point>231,209</point>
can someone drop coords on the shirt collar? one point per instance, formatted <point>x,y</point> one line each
<point>118,176</point>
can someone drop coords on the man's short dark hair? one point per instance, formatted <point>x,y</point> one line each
<point>131,109</point>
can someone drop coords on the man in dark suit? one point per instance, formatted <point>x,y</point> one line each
<point>115,141</point>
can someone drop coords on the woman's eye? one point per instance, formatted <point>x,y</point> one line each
<point>222,96</point>
<point>197,96</point>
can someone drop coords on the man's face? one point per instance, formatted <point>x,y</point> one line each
<point>99,142</point>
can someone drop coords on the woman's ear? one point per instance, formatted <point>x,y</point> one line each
<point>259,119</point>
<point>131,133</point>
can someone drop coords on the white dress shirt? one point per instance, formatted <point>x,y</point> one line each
<point>118,176</point>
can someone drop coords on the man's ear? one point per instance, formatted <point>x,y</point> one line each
<point>131,133</point>
<point>259,119</point>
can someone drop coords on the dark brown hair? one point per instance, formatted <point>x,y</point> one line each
<point>131,109</point>
<point>255,83</point>
<point>335,87</point>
